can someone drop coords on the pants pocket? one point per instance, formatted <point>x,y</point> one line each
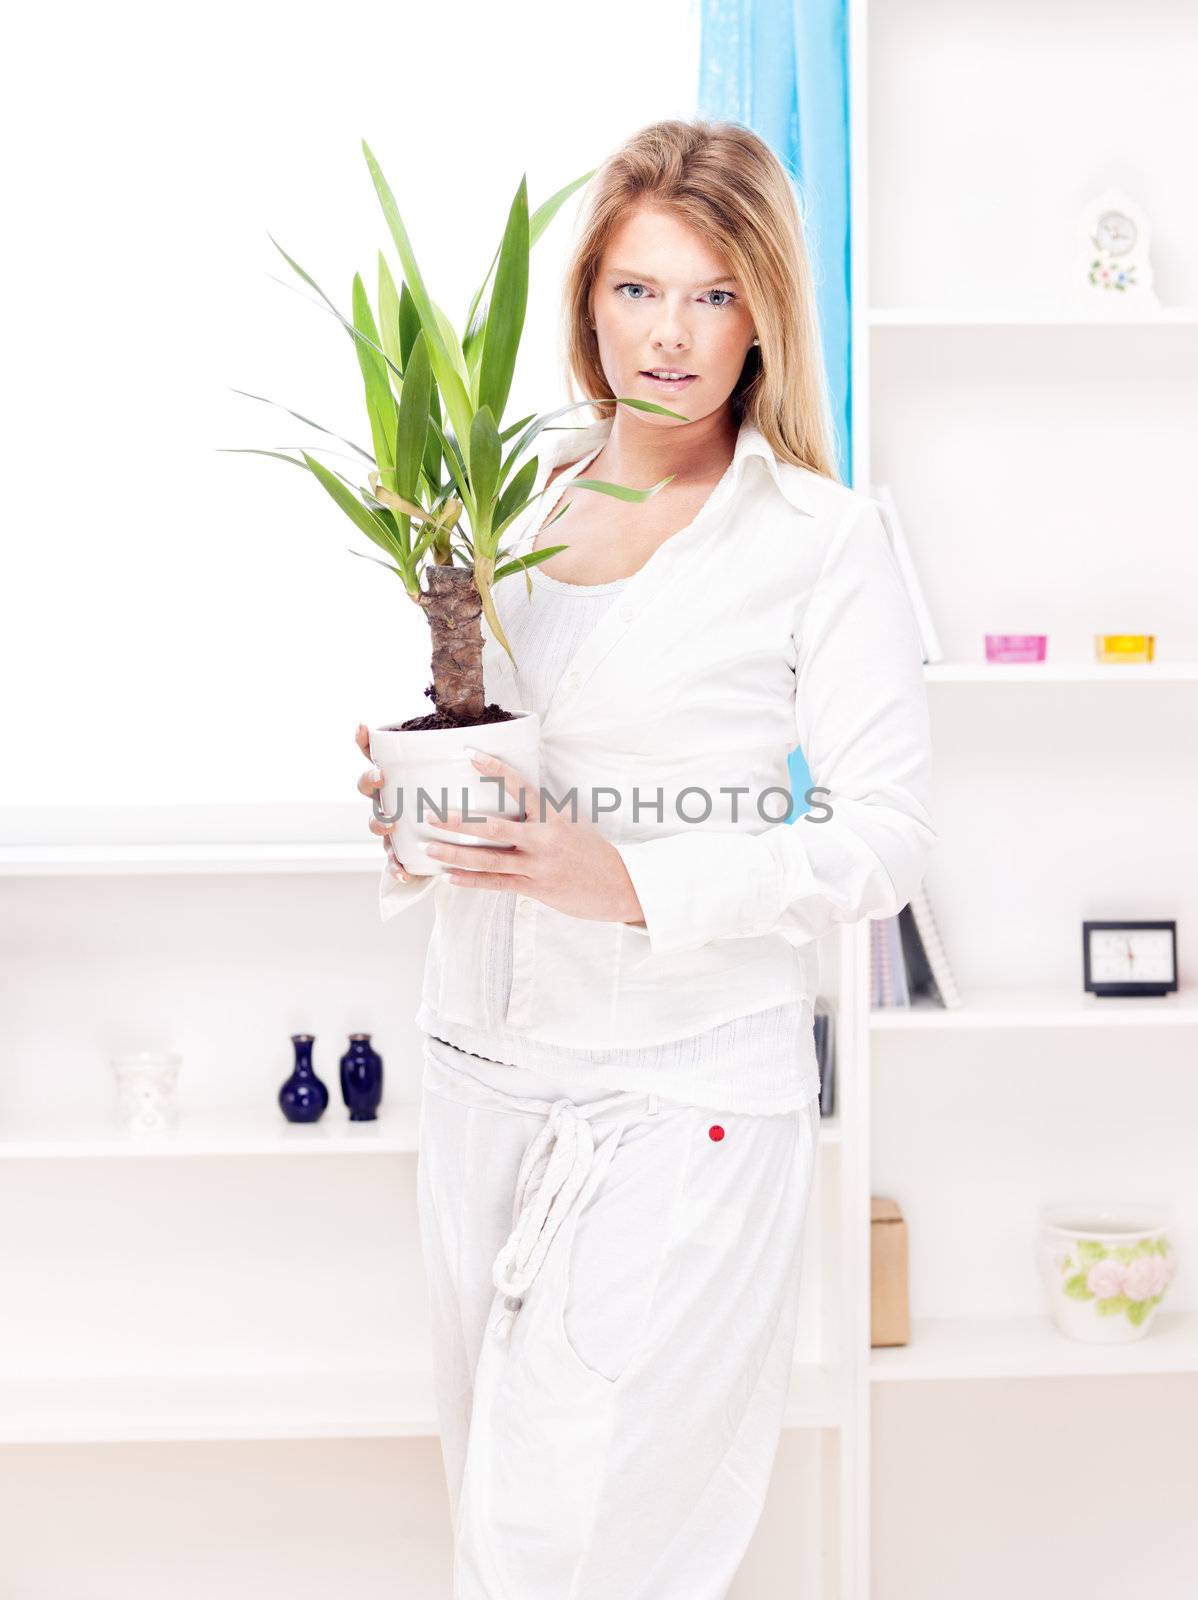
<point>612,1249</point>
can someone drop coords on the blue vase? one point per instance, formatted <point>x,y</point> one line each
<point>303,1097</point>
<point>361,1079</point>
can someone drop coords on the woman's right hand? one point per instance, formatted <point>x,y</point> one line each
<point>368,783</point>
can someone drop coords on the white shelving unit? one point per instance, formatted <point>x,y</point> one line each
<point>240,1297</point>
<point>923,317</point>
<point>1040,459</point>
<point>1040,1008</point>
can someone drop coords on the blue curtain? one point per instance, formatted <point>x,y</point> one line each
<point>780,67</point>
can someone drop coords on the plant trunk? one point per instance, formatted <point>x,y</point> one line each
<point>454,612</point>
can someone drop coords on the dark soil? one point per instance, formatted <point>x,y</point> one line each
<point>442,719</point>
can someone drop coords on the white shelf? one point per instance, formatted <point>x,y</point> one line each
<point>72,860</point>
<point>222,1131</point>
<point>240,1131</point>
<point>934,317</point>
<point>1041,1008</point>
<point>86,1409</point>
<point>1031,1347</point>
<point>1061,672</point>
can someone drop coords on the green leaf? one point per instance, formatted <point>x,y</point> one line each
<point>532,559</point>
<point>557,517</point>
<point>515,427</point>
<point>389,566</point>
<point>308,423</point>
<point>1076,1289</point>
<point>619,491</point>
<point>249,450</point>
<point>453,346</point>
<point>515,496</point>
<point>545,213</point>
<point>380,402</point>
<point>541,218</point>
<point>454,462</point>
<point>353,332</point>
<point>642,405</point>
<point>299,271</point>
<point>409,323</point>
<point>1137,1310</point>
<point>449,380</point>
<point>484,570</point>
<point>432,448</point>
<point>484,463</point>
<point>367,521</point>
<point>472,343</point>
<point>389,321</point>
<point>505,318</point>
<point>1112,1305</point>
<point>1091,1250</point>
<point>550,417</point>
<point>413,420</point>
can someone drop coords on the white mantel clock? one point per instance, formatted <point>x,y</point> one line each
<point>1126,958</point>
<point>1115,274</point>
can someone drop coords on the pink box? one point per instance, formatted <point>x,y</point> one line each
<point>1016,646</point>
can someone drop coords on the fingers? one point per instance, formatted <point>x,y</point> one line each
<point>370,781</point>
<point>471,856</point>
<point>394,864</point>
<point>517,788</point>
<point>369,784</point>
<point>467,878</point>
<point>503,830</point>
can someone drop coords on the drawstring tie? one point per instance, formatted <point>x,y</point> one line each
<point>552,1174</point>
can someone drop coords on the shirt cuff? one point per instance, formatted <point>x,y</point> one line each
<point>701,886</point>
<point>395,895</point>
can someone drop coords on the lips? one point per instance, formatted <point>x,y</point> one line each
<point>670,383</point>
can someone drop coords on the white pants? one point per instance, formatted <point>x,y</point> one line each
<point>614,1296</point>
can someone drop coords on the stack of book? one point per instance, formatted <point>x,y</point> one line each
<point>928,637</point>
<point>908,960</point>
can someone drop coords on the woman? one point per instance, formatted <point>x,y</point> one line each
<point>621,1102</point>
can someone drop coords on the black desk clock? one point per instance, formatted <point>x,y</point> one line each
<point>1125,958</point>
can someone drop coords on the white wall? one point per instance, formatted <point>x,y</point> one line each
<point>184,629</point>
<point>183,626</point>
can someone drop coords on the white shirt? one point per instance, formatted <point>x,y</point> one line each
<point>756,1063</point>
<point>777,617</point>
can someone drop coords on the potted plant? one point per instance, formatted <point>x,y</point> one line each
<point>446,481</point>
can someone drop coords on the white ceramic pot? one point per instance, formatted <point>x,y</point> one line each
<point>434,760</point>
<point>147,1086</point>
<point>1105,1269</point>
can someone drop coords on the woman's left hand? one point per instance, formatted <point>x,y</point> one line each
<point>564,862</point>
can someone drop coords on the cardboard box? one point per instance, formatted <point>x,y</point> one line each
<point>890,1316</point>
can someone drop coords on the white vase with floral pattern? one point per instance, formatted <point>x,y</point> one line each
<point>1105,1269</point>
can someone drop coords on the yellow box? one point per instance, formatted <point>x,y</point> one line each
<point>1124,646</point>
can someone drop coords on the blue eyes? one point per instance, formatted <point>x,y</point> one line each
<point>727,293</point>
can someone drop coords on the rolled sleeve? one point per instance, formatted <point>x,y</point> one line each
<point>861,719</point>
<point>395,895</point>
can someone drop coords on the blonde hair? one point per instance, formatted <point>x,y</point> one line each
<point>728,184</point>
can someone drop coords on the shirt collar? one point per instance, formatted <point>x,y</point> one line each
<point>571,444</point>
<point>790,481</point>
